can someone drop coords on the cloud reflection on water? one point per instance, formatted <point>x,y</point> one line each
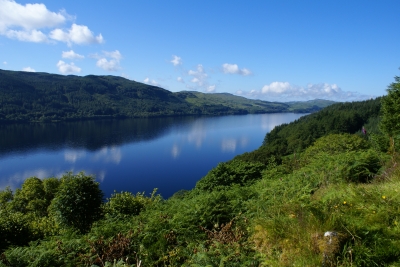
<point>107,154</point>
<point>228,145</point>
<point>73,155</point>
<point>18,178</point>
<point>197,134</point>
<point>175,151</point>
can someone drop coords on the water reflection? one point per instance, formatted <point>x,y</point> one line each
<point>133,155</point>
<point>269,122</point>
<point>107,155</point>
<point>90,135</point>
<point>71,155</point>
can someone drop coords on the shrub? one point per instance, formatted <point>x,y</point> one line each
<point>126,203</point>
<point>78,201</point>
<point>230,173</point>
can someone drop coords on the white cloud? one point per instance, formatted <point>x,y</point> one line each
<point>276,88</point>
<point>34,36</point>
<point>65,68</point>
<point>151,82</point>
<point>126,76</point>
<point>71,55</point>
<point>31,22</point>
<point>234,69</point>
<point>180,79</point>
<point>284,91</point>
<point>199,76</point>
<point>176,60</point>
<point>28,17</point>
<point>5,62</point>
<point>109,61</point>
<point>108,65</point>
<point>211,88</point>
<point>29,69</point>
<point>78,34</point>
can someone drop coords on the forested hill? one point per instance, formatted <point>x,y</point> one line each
<point>31,97</point>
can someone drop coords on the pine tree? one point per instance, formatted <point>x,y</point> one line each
<point>391,112</point>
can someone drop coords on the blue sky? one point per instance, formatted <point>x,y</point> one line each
<point>270,50</point>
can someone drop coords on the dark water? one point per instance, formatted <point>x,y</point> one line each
<point>134,154</point>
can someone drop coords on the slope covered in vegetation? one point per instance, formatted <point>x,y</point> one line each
<point>334,202</point>
<point>32,97</point>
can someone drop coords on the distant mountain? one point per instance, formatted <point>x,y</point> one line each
<point>309,106</point>
<point>33,96</point>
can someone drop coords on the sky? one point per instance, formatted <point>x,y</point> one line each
<point>273,50</point>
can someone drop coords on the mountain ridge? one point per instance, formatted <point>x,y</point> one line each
<point>41,97</point>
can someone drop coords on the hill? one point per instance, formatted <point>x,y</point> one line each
<point>35,97</point>
<point>331,202</point>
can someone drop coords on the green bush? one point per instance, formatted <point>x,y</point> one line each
<point>126,203</point>
<point>14,229</point>
<point>78,201</point>
<point>230,173</point>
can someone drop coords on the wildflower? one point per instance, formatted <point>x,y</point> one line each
<point>344,202</point>
<point>384,197</point>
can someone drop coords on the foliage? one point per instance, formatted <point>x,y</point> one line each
<point>230,173</point>
<point>126,203</point>
<point>292,138</point>
<point>43,97</point>
<point>78,201</point>
<point>334,202</point>
<point>14,229</point>
<point>390,112</point>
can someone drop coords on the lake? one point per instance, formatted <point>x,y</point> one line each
<point>133,155</point>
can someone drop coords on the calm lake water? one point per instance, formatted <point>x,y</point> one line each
<point>133,155</point>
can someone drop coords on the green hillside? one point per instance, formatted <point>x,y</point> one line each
<point>309,106</point>
<point>329,200</point>
<point>36,97</point>
<point>238,103</point>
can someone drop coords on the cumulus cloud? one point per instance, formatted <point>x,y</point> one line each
<point>199,80</point>
<point>78,34</point>
<point>234,69</point>
<point>199,76</point>
<point>65,68</point>
<point>29,69</point>
<point>34,36</point>
<point>151,82</point>
<point>29,16</point>
<point>176,60</point>
<point>5,62</point>
<point>31,22</point>
<point>277,88</point>
<point>109,61</point>
<point>284,91</point>
<point>180,79</point>
<point>210,89</point>
<point>71,55</point>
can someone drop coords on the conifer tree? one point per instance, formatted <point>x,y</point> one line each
<point>391,112</point>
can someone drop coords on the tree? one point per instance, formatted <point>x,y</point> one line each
<point>77,203</point>
<point>391,112</point>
